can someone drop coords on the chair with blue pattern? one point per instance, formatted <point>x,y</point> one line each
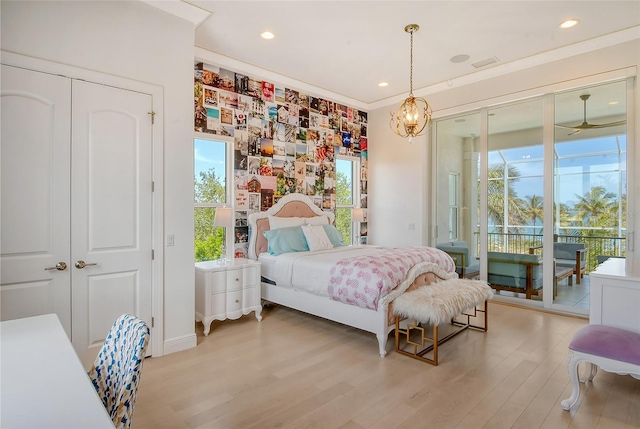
<point>116,371</point>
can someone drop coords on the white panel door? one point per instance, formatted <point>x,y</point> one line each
<point>36,110</point>
<point>111,211</point>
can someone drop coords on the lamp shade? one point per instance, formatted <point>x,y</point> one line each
<point>222,217</point>
<point>357,215</point>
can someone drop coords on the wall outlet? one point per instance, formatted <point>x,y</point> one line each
<point>170,240</point>
<point>412,227</point>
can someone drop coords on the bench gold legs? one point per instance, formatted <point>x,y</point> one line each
<point>414,341</point>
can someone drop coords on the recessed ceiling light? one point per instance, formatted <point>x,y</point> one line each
<point>459,58</point>
<point>267,35</point>
<point>569,23</point>
<point>383,84</point>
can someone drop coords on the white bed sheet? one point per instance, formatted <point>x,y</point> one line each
<point>268,266</point>
<point>310,271</point>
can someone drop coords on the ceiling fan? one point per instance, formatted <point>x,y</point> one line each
<point>586,125</point>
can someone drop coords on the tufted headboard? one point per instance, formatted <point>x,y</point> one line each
<point>292,205</point>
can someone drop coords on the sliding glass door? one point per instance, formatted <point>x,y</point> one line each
<point>590,186</point>
<point>549,203</point>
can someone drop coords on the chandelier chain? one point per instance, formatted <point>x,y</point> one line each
<point>411,68</point>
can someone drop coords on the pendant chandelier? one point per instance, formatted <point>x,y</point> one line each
<point>414,114</point>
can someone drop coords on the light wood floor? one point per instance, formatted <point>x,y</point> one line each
<point>293,370</point>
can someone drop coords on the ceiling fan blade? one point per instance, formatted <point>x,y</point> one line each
<point>610,124</point>
<point>575,131</point>
<point>568,127</point>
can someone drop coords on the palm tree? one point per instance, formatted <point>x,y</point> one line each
<point>594,207</point>
<point>496,196</point>
<point>532,209</point>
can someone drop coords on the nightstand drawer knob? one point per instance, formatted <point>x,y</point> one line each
<point>237,279</point>
<point>237,300</point>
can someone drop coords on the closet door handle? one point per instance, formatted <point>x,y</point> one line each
<point>81,264</point>
<point>60,266</point>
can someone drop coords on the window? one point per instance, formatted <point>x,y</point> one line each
<point>453,206</point>
<point>210,191</point>
<point>347,196</point>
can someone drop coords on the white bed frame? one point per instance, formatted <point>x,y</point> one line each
<point>374,321</point>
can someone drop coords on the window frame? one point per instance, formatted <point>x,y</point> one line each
<point>228,186</point>
<point>355,194</point>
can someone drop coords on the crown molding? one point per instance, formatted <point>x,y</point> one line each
<point>180,9</point>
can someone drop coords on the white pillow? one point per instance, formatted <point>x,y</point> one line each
<point>284,222</point>
<point>317,220</point>
<point>316,237</point>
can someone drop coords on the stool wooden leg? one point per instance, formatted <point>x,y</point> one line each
<point>572,365</point>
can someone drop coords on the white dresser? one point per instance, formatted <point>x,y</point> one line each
<point>614,296</point>
<point>227,291</point>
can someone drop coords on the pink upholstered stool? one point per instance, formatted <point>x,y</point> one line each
<point>612,349</point>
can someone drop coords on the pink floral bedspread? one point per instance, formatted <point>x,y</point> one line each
<point>363,280</point>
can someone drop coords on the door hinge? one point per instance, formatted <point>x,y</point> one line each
<point>153,186</point>
<point>153,322</point>
<point>153,254</point>
<point>153,117</point>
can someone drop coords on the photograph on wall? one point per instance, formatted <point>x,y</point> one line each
<point>266,199</point>
<point>227,130</point>
<point>278,165</point>
<point>304,101</point>
<point>254,88</point>
<point>279,95</point>
<point>272,112</point>
<point>266,167</point>
<point>211,76</point>
<point>210,97</point>
<point>254,202</point>
<point>241,215</point>
<point>253,186</point>
<point>240,120</point>
<point>279,148</point>
<point>240,179</point>
<point>283,113</point>
<point>253,165</point>
<point>266,147</point>
<point>241,234</point>
<point>227,80</point>
<point>241,250</point>
<point>226,116</point>
<point>289,166</point>
<point>346,140</point>
<point>314,104</point>
<point>239,160</point>
<point>228,99</point>
<point>291,96</point>
<point>213,119</point>
<point>245,103</point>
<point>242,84</point>
<point>363,144</point>
<point>290,149</point>
<point>268,92</point>
<point>293,114</point>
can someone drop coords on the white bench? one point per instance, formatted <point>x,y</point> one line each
<point>612,349</point>
<point>446,301</point>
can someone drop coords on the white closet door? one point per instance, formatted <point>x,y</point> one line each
<point>111,211</point>
<point>36,109</point>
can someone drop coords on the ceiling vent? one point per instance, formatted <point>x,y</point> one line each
<point>485,62</point>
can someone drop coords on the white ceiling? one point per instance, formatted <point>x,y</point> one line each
<point>348,47</point>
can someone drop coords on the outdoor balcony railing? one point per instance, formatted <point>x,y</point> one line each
<point>520,243</point>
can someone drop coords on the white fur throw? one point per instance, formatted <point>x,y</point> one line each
<point>439,302</point>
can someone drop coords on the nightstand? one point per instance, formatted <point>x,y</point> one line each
<point>227,291</point>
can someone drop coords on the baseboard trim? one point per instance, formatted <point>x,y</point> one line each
<point>181,343</point>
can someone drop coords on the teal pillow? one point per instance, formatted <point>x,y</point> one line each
<point>335,237</point>
<point>286,240</point>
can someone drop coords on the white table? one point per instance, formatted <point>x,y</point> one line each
<point>614,296</point>
<point>42,383</point>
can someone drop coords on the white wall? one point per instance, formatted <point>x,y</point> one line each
<point>134,41</point>
<point>396,194</point>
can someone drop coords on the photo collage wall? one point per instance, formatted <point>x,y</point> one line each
<point>285,141</point>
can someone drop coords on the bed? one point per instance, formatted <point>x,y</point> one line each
<point>296,278</point>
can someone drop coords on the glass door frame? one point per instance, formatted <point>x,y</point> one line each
<point>547,94</point>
